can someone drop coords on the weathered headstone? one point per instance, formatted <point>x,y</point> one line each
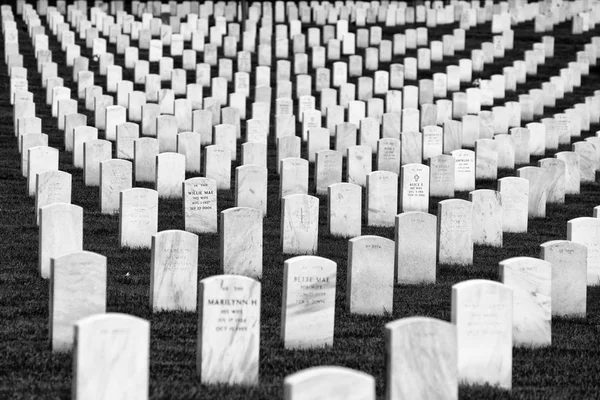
<point>299,224</point>
<point>538,191</point>
<point>111,357</point>
<point>200,205</point>
<point>487,217</point>
<point>483,314</point>
<point>333,383</point>
<point>308,302</point>
<point>455,232</point>
<point>174,271</point>
<point>138,217</point>
<point>586,231</point>
<point>569,277</point>
<point>52,187</point>
<point>115,175</point>
<point>370,275</point>
<point>531,282</point>
<point>228,330</point>
<point>421,359</point>
<point>242,241</point>
<point>382,198</point>
<point>77,290</point>
<point>416,247</point>
<point>344,203</point>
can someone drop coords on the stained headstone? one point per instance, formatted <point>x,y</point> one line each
<point>487,217</point>
<point>382,198</point>
<point>344,203</point>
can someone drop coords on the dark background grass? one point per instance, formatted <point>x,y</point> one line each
<point>28,369</point>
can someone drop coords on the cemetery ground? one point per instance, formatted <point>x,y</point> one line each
<point>28,368</point>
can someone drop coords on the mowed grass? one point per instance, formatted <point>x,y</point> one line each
<point>28,369</point>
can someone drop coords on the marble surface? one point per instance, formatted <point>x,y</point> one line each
<point>188,144</point>
<point>421,359</point>
<point>538,190</point>
<point>115,175</point>
<point>587,160</point>
<point>586,231</point>
<point>294,176</point>
<point>251,187</point>
<point>242,241</point>
<point>138,217</point>
<point>111,357</point>
<point>40,159</point>
<point>94,152</point>
<point>572,171</point>
<point>455,232</point>
<point>217,163</point>
<point>416,247</point>
<point>225,136</point>
<point>346,136</point>
<point>28,141</point>
<point>521,138</point>
<point>514,192</point>
<point>318,140</point>
<point>125,135</point>
<point>77,290</point>
<point>200,205</point>
<point>61,232</point>
<point>505,146</point>
<point>382,198</point>
<point>344,209</point>
<point>569,277</point>
<point>414,188</point>
<point>148,118</point>
<point>299,224</point>
<point>174,271</point>
<point>254,153</point>
<point>555,179</point>
<point>452,136</point>
<point>166,133</point>
<point>145,152</point>
<point>81,135</point>
<point>483,314</point>
<point>388,154</point>
<point>308,302</point>
<point>328,169</point>
<point>370,275</point>
<point>441,176</point>
<point>412,147</point>
<point>329,382</point>
<point>464,170</point>
<point>114,116</point>
<point>531,281</point>
<point>52,187</point>
<point>487,217</point>
<point>287,147</point>
<point>432,141</point>
<point>486,159</point>
<point>228,330</point>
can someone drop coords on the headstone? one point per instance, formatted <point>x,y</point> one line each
<point>483,314</point>
<point>421,359</point>
<point>217,165</point>
<point>228,330</point>
<point>569,277</point>
<point>487,217</point>
<point>586,231</point>
<point>40,159</point>
<point>370,275</point>
<point>441,176</point>
<point>77,290</point>
<point>328,170</point>
<point>308,302</point>
<point>111,357</point>
<point>115,175</point>
<point>52,187</point>
<point>174,271</point>
<point>531,282</point>
<point>455,232</point>
<point>344,203</point>
<point>414,188</point>
<point>138,217</point>
<point>464,170</point>
<point>538,191</point>
<point>251,187</point>
<point>334,383</point>
<point>242,241</point>
<point>416,247</point>
<point>299,224</point>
